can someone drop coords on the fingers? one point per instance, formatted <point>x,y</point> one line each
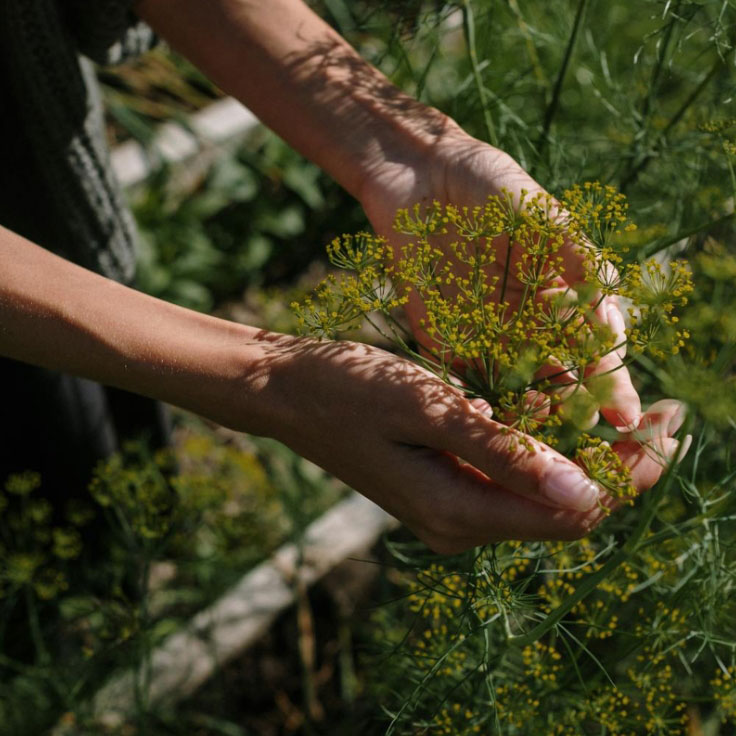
<point>482,406</point>
<point>662,419</point>
<point>464,509</point>
<point>620,402</point>
<point>623,407</point>
<point>511,459</point>
<point>647,462</point>
<point>609,311</point>
<point>468,505</point>
<point>532,469</point>
<point>651,448</point>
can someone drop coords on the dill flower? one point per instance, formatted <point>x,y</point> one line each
<point>499,319</point>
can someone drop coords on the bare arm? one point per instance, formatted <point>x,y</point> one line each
<point>61,316</point>
<point>310,86</point>
<point>304,81</point>
<point>400,428</point>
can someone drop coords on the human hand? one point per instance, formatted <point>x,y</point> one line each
<point>463,171</point>
<point>418,448</point>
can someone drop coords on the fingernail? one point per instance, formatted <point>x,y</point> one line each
<point>568,487</point>
<point>687,440</point>
<point>617,324</point>
<point>592,421</point>
<point>630,427</point>
<point>677,450</point>
<point>654,425</point>
<point>676,420</point>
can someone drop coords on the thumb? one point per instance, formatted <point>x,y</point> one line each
<point>516,461</point>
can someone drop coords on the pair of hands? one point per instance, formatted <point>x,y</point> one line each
<point>415,445</point>
<point>382,424</point>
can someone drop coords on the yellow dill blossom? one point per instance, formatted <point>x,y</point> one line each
<point>597,214</point>
<point>495,310</point>
<point>724,686</point>
<point>606,468</point>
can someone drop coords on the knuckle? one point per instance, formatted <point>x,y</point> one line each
<point>515,460</point>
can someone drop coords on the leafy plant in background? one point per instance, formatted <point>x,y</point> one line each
<point>251,220</point>
<point>179,526</point>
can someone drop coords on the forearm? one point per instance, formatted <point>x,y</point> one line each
<point>58,315</point>
<point>302,80</point>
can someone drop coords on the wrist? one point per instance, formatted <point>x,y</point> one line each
<point>213,367</point>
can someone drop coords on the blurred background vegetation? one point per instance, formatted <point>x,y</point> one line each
<point>640,96</point>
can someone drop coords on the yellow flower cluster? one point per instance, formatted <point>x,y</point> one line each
<point>605,467</point>
<point>597,213</point>
<point>34,549</point>
<point>724,687</point>
<point>340,304</point>
<point>621,661</point>
<point>496,311</point>
<point>455,719</point>
<point>656,291</point>
<point>719,128</point>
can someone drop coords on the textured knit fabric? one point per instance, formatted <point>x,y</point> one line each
<point>56,189</point>
<point>56,186</point>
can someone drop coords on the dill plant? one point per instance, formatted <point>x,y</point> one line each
<point>69,615</point>
<point>498,318</point>
<point>622,632</point>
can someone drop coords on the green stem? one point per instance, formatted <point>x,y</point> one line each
<point>662,243</point>
<point>469,30</point>
<point>42,654</point>
<point>633,173</point>
<point>530,47</point>
<point>594,579</point>
<point>554,103</point>
<point>646,107</point>
<point>506,269</point>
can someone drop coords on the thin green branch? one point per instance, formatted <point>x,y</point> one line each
<point>634,171</point>
<point>662,243</point>
<point>554,103</point>
<point>590,583</point>
<point>469,31</point>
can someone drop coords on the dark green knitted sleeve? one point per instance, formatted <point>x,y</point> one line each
<point>106,31</point>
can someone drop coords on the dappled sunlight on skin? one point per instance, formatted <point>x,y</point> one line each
<point>446,166</point>
<point>417,447</point>
<point>330,71</point>
<point>474,173</point>
<point>385,426</point>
